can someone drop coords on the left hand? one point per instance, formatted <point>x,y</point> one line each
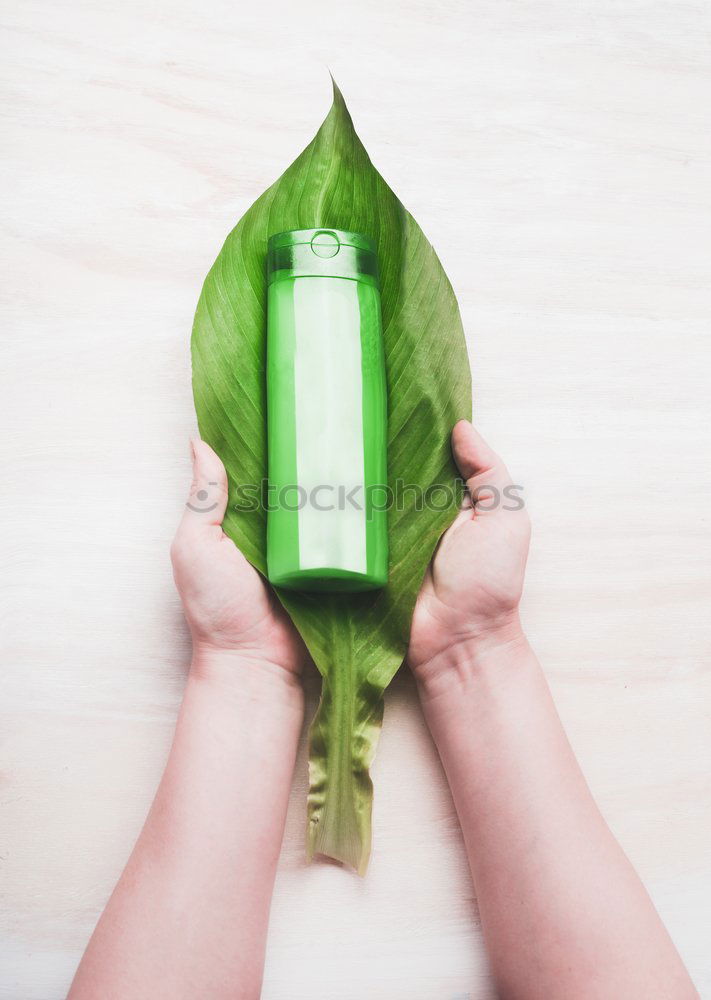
<point>229,607</point>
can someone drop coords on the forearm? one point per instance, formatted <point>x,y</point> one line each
<point>189,915</point>
<point>563,912</point>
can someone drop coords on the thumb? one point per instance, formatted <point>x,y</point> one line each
<point>207,502</point>
<point>480,467</point>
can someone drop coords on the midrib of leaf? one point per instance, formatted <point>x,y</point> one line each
<point>341,815</point>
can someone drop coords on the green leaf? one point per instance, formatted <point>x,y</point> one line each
<point>357,641</point>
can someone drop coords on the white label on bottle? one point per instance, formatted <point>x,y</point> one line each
<point>329,424</point>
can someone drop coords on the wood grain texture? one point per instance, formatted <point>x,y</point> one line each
<point>557,155</point>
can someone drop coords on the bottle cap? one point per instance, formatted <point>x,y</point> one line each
<point>332,253</point>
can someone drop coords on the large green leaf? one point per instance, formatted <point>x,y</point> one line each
<point>357,641</point>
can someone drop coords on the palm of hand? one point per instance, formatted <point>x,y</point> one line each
<point>227,604</point>
<point>473,585</point>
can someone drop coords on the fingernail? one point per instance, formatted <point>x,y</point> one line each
<point>193,450</point>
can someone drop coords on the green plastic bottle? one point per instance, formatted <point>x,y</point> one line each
<point>327,413</point>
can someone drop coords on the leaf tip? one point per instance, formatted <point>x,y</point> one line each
<point>339,102</point>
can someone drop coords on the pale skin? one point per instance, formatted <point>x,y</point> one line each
<point>564,915</point>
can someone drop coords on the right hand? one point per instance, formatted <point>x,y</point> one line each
<point>470,594</point>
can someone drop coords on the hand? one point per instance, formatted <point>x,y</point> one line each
<point>229,607</point>
<point>470,595</point>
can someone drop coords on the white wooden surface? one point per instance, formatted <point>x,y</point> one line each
<point>557,155</point>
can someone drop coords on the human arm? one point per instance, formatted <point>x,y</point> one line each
<point>563,912</point>
<point>189,915</point>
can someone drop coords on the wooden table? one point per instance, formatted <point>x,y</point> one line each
<point>557,155</point>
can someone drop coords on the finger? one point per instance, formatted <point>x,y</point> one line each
<point>480,467</point>
<point>207,502</point>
